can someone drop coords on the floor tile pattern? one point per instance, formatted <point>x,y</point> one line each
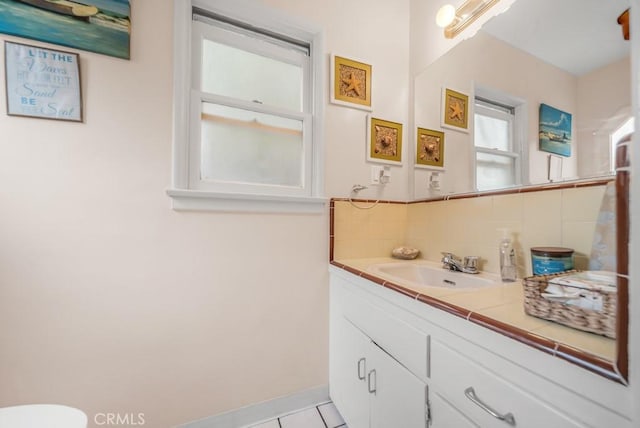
<point>323,415</point>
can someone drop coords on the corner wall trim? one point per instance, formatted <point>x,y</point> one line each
<point>264,411</point>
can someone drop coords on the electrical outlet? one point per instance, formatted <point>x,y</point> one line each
<point>380,174</point>
<point>376,173</point>
<point>385,177</point>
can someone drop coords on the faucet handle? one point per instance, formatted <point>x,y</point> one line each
<point>448,255</point>
<point>471,263</point>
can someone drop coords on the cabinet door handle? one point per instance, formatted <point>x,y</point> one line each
<point>373,390</point>
<point>362,364</point>
<point>471,395</point>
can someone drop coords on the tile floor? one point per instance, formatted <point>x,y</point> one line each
<point>323,415</point>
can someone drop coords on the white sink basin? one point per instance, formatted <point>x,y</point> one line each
<point>430,274</point>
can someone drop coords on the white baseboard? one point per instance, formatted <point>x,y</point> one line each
<point>264,411</point>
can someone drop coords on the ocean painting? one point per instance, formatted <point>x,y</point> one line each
<point>555,131</point>
<point>101,26</point>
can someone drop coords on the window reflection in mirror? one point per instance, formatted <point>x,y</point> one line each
<point>497,153</point>
<point>617,136</point>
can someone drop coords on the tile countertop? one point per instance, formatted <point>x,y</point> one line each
<point>503,303</point>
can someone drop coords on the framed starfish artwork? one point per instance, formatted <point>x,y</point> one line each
<point>350,83</point>
<point>384,141</point>
<point>430,149</point>
<point>455,110</point>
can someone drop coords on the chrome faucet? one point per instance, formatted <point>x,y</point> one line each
<point>452,262</point>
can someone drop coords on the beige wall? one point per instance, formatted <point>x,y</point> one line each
<point>112,302</point>
<point>470,226</point>
<point>604,104</point>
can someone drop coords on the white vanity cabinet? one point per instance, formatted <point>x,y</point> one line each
<point>397,362</point>
<point>348,372</point>
<point>369,386</point>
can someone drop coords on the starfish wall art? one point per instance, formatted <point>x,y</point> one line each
<point>455,110</point>
<point>350,83</point>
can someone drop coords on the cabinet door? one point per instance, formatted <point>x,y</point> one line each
<point>398,398</point>
<point>444,415</point>
<point>348,367</point>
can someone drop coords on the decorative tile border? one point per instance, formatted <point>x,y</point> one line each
<point>616,371</point>
<point>575,356</point>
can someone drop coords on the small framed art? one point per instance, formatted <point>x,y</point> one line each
<point>455,110</point>
<point>384,141</point>
<point>350,83</point>
<point>430,149</point>
<point>555,131</point>
<point>42,83</point>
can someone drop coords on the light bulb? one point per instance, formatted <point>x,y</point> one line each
<point>445,16</point>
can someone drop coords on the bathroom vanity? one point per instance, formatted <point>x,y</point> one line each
<point>402,358</point>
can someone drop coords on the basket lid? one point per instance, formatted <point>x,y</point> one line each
<point>551,251</point>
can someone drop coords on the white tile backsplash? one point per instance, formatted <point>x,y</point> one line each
<point>470,226</point>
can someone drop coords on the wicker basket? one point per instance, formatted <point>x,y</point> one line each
<point>595,321</point>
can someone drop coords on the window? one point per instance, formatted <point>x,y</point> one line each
<point>248,111</point>
<point>497,155</point>
<point>625,129</point>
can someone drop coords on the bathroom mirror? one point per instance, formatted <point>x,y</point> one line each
<point>567,55</point>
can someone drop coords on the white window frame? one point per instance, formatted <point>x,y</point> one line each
<point>626,127</point>
<point>518,150</point>
<point>185,193</point>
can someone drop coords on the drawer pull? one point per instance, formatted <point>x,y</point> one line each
<point>471,395</point>
<point>361,363</point>
<point>372,390</point>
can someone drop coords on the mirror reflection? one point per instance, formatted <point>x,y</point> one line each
<point>548,86</point>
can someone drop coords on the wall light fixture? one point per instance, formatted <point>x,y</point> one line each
<point>455,20</point>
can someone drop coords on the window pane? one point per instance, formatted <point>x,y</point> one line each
<point>491,133</point>
<point>626,128</point>
<point>242,146</point>
<point>494,171</point>
<point>247,76</point>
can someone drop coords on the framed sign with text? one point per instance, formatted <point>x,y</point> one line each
<point>42,83</point>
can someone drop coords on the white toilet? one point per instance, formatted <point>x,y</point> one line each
<point>42,416</point>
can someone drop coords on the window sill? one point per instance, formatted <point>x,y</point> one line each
<point>199,200</point>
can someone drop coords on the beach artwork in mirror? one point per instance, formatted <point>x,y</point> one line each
<point>555,131</point>
<point>101,26</point>
<point>569,56</point>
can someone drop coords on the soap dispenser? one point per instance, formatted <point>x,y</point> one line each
<point>507,258</point>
